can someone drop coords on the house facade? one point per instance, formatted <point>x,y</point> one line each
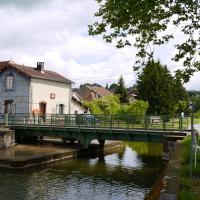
<point>77,104</point>
<point>25,89</point>
<point>132,98</point>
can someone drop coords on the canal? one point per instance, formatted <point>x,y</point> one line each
<point>124,175</point>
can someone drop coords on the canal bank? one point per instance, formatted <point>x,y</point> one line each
<point>166,186</point>
<point>25,155</point>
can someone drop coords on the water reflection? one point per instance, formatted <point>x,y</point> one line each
<point>123,175</point>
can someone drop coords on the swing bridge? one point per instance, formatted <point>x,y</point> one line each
<point>86,127</point>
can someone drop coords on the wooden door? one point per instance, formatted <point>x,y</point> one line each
<point>43,106</point>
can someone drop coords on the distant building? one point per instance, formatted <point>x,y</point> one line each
<point>33,90</point>
<point>132,94</point>
<point>91,92</point>
<point>132,98</point>
<point>77,104</point>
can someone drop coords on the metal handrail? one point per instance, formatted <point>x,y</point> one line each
<point>122,121</point>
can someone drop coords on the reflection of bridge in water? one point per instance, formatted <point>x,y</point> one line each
<point>85,128</point>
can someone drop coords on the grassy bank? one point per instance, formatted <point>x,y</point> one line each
<point>189,187</point>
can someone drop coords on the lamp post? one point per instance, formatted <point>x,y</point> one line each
<point>191,107</point>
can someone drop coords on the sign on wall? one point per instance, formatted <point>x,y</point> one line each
<point>52,96</point>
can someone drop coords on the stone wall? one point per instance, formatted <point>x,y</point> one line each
<point>7,138</point>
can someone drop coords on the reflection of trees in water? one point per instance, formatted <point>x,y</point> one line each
<point>150,153</point>
<point>144,176</point>
<point>144,148</point>
<point>121,153</point>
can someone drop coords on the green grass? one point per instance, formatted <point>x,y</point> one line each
<point>185,183</point>
<point>186,158</point>
<point>189,187</point>
<point>186,196</point>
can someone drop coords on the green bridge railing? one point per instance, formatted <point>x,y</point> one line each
<point>98,121</point>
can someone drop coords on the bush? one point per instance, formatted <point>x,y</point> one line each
<point>110,105</point>
<point>197,114</point>
<point>134,112</point>
<point>106,105</point>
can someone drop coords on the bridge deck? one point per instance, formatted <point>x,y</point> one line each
<point>102,127</point>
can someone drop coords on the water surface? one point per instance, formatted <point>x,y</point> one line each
<point>120,176</point>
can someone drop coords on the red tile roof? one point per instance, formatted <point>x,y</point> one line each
<point>100,90</point>
<point>88,92</point>
<point>34,72</point>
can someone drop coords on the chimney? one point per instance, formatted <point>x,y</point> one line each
<point>40,66</point>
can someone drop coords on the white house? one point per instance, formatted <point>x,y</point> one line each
<point>25,89</point>
<point>77,104</point>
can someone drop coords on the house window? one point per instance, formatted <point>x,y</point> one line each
<point>9,106</point>
<point>9,82</point>
<point>61,109</point>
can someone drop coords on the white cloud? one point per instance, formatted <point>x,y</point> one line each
<point>56,32</point>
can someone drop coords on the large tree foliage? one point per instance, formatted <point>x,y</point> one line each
<point>122,91</point>
<point>146,24</point>
<point>157,86</point>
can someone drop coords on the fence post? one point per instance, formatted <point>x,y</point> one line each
<point>51,120</point>
<point>25,121</point>
<point>181,122</point>
<point>118,120</point>
<point>128,120</point>
<point>192,142</point>
<point>33,118</point>
<point>15,119</point>
<point>164,122</point>
<point>95,122</point>
<point>65,122</point>
<point>146,121</point>
<point>6,119</point>
<point>111,122</point>
<point>70,117</point>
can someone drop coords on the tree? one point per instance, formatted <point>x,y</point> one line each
<point>157,86</point>
<point>122,91</point>
<point>113,87</point>
<point>180,96</point>
<point>147,24</point>
<point>194,97</point>
<point>179,92</point>
<point>193,94</point>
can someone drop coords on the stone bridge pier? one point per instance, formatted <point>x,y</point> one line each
<point>7,138</point>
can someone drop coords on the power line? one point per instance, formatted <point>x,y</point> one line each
<point>103,77</point>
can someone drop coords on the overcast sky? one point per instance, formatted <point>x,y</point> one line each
<point>56,32</point>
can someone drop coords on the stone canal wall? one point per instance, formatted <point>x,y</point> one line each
<point>171,179</point>
<point>25,156</point>
<point>7,138</point>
